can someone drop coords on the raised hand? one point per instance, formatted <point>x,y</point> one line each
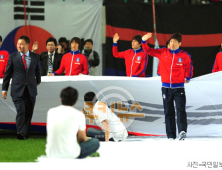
<point>35,46</point>
<point>115,37</point>
<point>147,36</point>
<point>59,49</point>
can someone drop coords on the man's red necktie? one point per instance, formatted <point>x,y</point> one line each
<point>24,61</point>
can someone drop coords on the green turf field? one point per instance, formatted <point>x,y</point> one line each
<point>14,150</point>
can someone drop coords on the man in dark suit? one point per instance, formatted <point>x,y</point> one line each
<point>51,59</point>
<point>23,68</point>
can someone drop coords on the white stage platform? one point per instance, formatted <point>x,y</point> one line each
<point>140,153</point>
<point>152,153</point>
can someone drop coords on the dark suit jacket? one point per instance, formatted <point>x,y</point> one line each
<point>20,76</point>
<point>44,58</point>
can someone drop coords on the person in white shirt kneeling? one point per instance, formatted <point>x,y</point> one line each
<point>112,129</point>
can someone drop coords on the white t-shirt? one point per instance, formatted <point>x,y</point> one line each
<point>116,127</point>
<point>63,123</point>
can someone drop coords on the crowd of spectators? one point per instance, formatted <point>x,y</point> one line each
<point>81,61</point>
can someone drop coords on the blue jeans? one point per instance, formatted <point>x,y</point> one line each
<point>88,147</point>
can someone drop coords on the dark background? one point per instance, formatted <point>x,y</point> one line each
<point>173,18</point>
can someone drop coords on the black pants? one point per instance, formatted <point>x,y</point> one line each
<point>24,106</point>
<point>169,96</point>
<point>96,133</point>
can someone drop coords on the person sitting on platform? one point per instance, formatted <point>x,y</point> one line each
<point>112,128</point>
<point>66,125</point>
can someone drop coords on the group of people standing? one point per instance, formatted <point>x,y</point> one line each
<point>175,68</point>
<point>26,68</point>
<point>60,60</point>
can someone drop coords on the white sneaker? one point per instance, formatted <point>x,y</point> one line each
<point>171,138</point>
<point>182,135</point>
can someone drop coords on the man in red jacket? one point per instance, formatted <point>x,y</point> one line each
<point>135,59</point>
<point>218,63</point>
<point>4,55</point>
<point>73,63</point>
<point>175,63</point>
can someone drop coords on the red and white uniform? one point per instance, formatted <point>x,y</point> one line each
<point>218,63</point>
<point>4,55</point>
<point>73,63</point>
<point>174,65</point>
<point>135,61</point>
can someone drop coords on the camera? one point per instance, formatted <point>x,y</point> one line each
<point>61,45</point>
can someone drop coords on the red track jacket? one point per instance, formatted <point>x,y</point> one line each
<point>174,65</point>
<point>4,55</point>
<point>73,63</point>
<point>135,61</point>
<point>218,63</point>
<point>159,68</point>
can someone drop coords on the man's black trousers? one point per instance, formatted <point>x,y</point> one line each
<point>24,106</point>
<point>169,96</point>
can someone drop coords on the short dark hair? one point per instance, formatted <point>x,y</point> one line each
<point>176,36</point>
<point>23,37</point>
<point>90,97</point>
<point>167,43</point>
<point>69,96</point>
<point>0,38</point>
<point>137,38</point>
<point>51,39</point>
<point>88,40</point>
<point>63,39</point>
<point>77,40</point>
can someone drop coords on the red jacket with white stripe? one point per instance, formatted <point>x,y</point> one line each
<point>218,63</point>
<point>4,55</point>
<point>73,63</point>
<point>135,61</point>
<point>174,65</point>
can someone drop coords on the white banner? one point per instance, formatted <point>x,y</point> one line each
<point>203,94</point>
<point>57,18</point>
